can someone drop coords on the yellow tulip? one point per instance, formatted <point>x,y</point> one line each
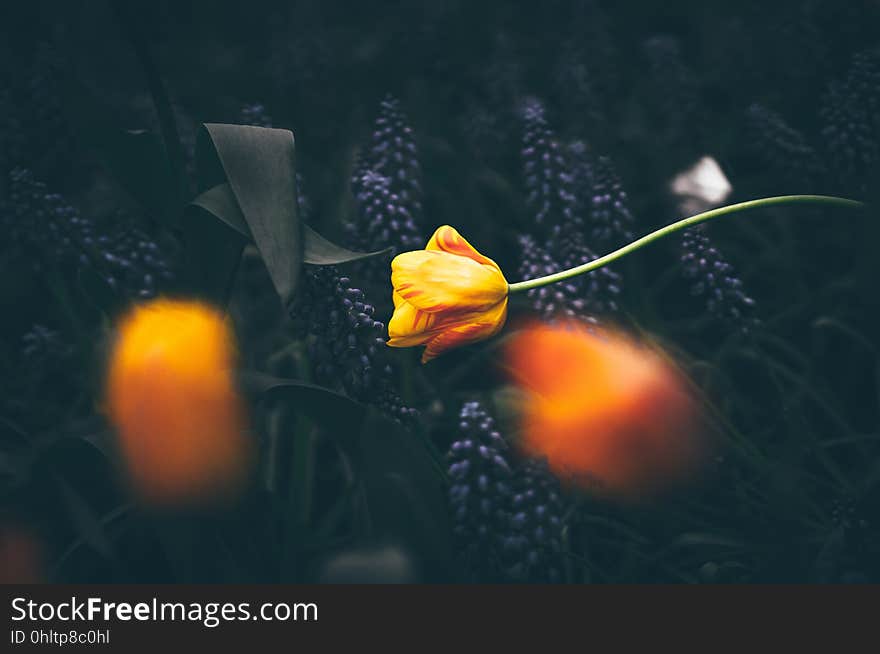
<point>445,296</point>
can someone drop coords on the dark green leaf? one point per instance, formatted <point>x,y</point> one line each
<point>405,493</point>
<point>89,527</point>
<point>220,201</point>
<point>213,251</point>
<point>258,164</point>
<point>106,521</point>
<point>320,251</point>
<point>338,414</point>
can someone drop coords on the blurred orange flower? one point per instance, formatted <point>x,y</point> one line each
<point>604,411</point>
<point>445,296</point>
<point>171,396</point>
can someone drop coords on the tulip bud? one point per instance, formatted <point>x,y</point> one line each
<point>445,296</point>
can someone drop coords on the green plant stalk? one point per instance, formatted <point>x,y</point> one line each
<point>299,491</point>
<point>302,480</point>
<point>638,244</point>
<point>301,484</point>
<point>299,459</point>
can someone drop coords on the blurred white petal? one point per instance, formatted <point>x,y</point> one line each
<point>701,187</point>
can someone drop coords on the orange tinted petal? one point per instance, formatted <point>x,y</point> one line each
<point>407,321</point>
<point>447,239</point>
<point>472,329</point>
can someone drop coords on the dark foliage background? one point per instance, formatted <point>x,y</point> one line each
<point>546,133</point>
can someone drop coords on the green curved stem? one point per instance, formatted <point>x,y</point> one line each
<point>595,264</point>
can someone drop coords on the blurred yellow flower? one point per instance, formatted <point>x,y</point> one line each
<point>172,399</point>
<point>445,296</point>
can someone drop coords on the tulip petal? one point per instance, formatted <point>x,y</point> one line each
<point>407,320</point>
<point>435,281</point>
<point>410,340</point>
<point>447,239</point>
<point>477,328</point>
<point>409,326</point>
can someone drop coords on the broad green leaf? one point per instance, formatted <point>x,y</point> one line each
<point>338,414</point>
<point>220,201</point>
<point>320,251</point>
<point>258,164</point>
